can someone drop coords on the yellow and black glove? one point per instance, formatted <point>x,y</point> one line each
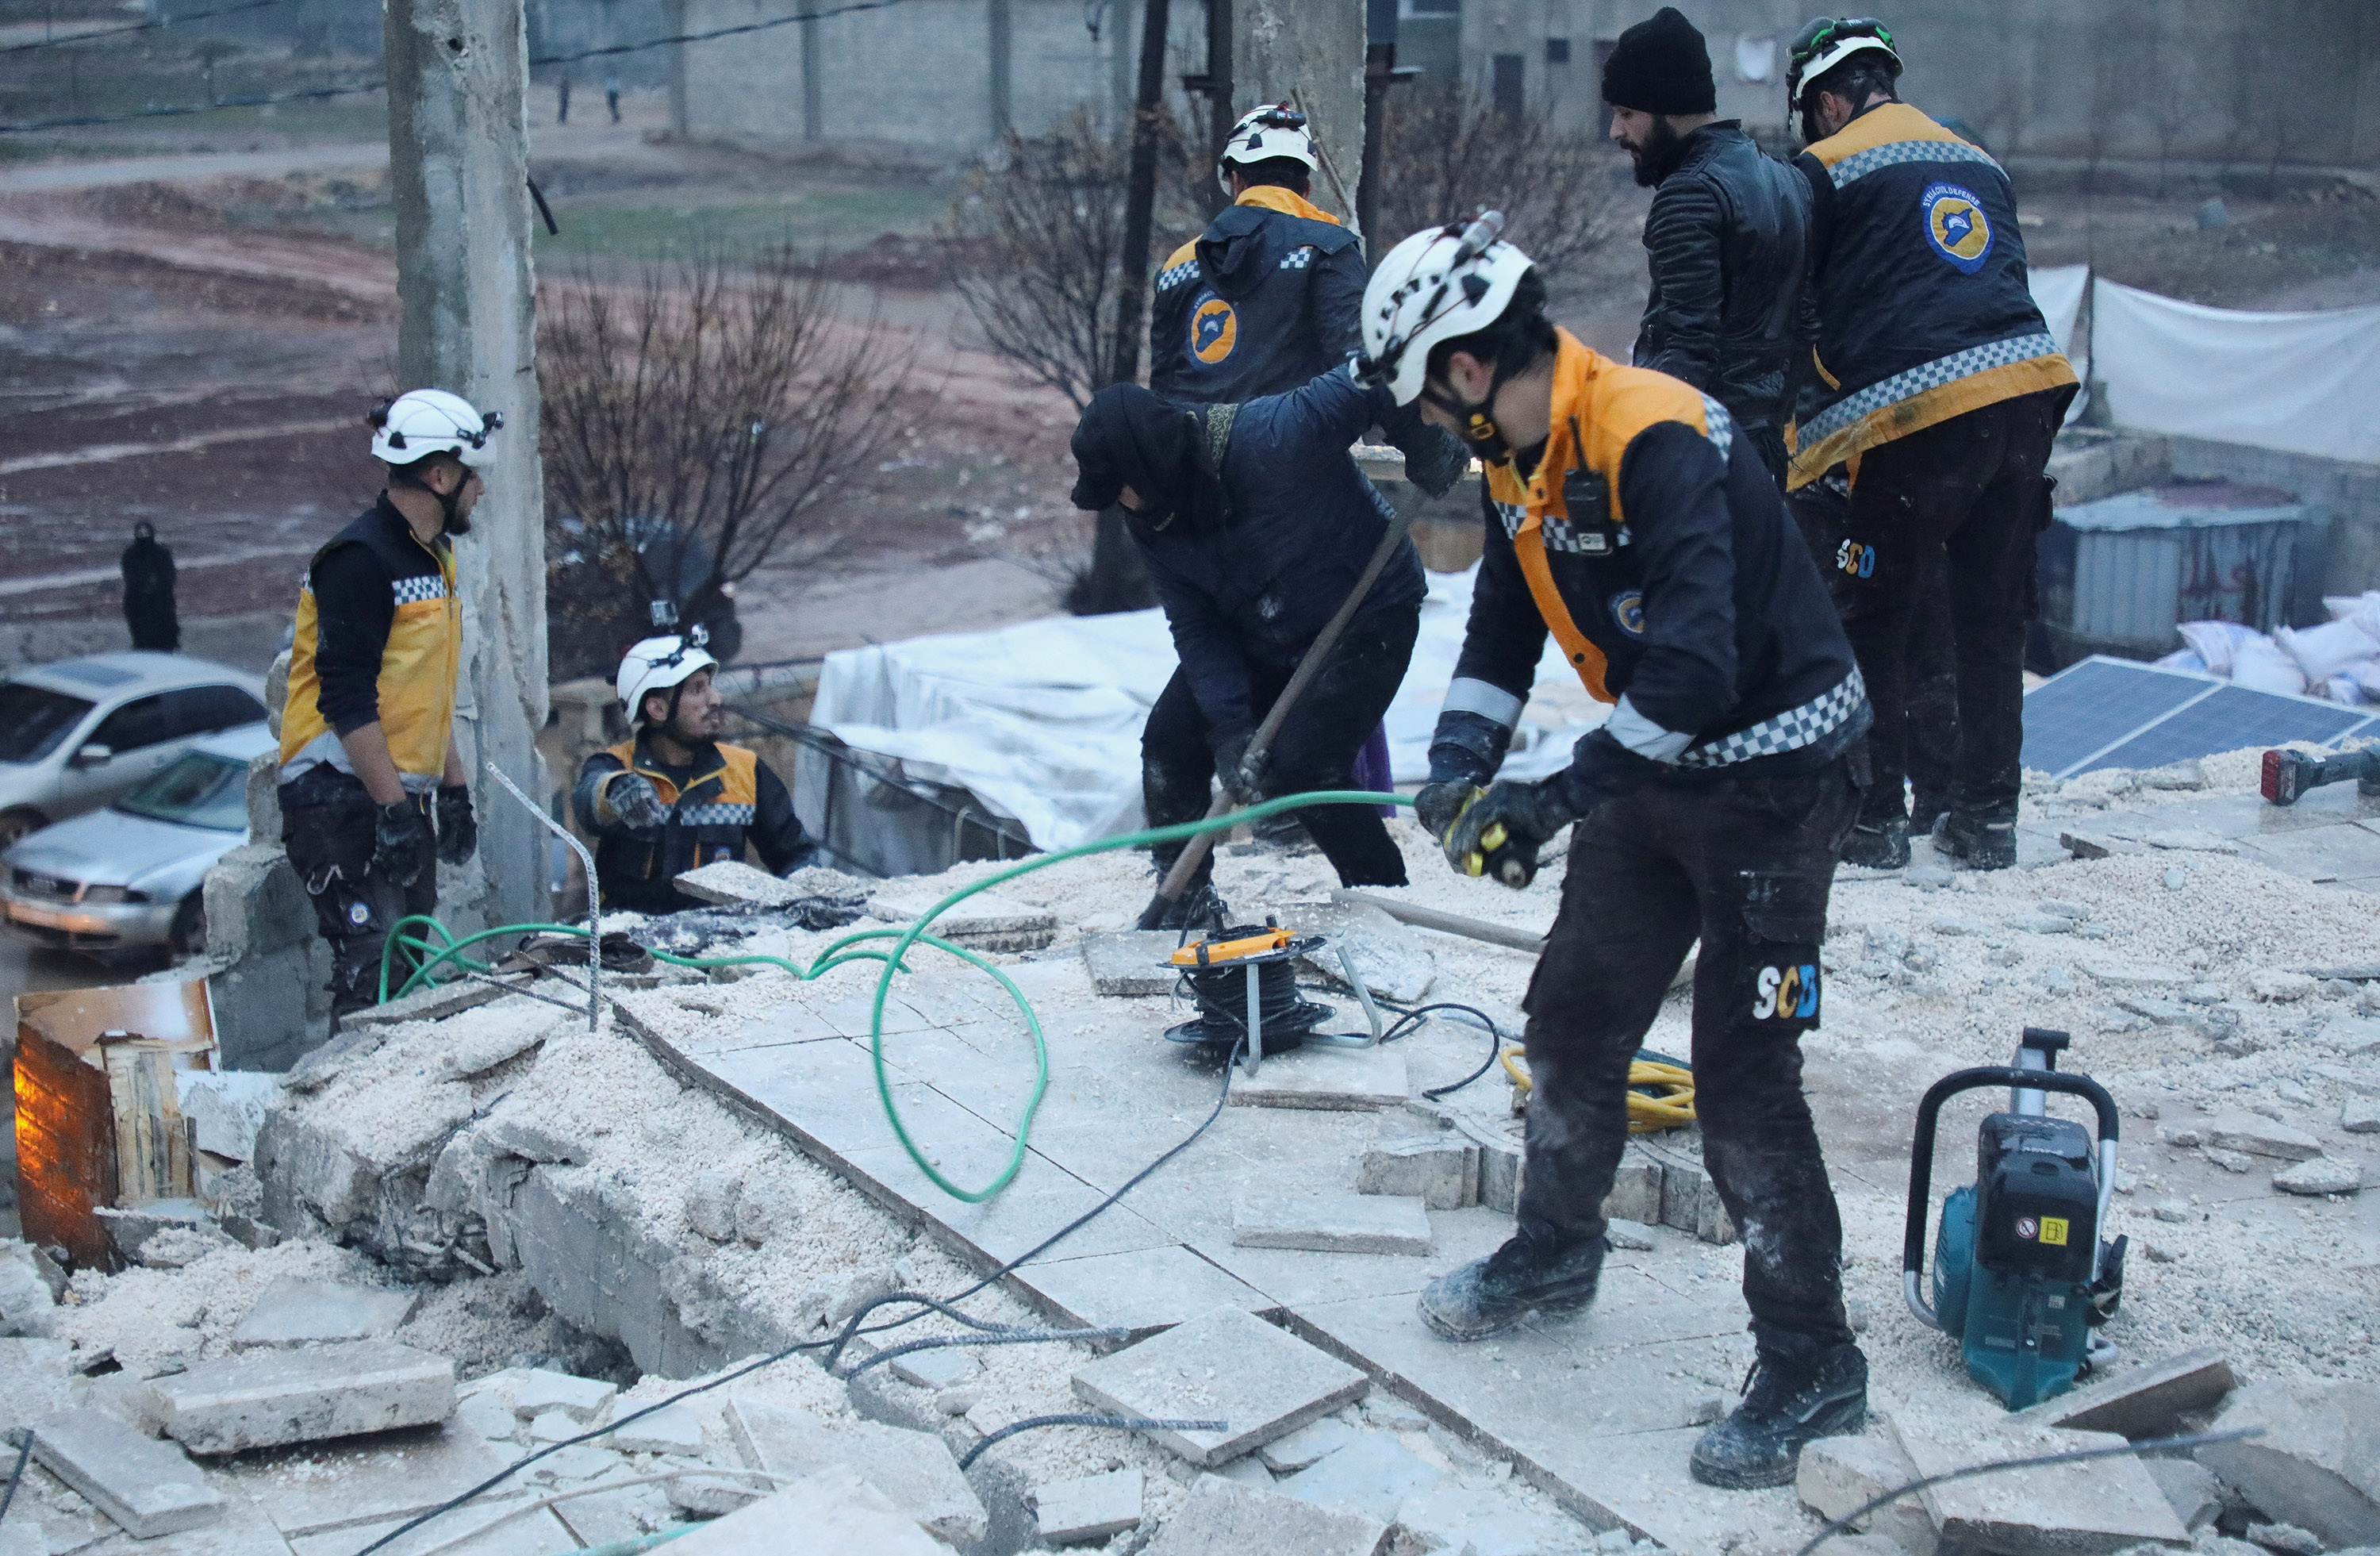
<point>1499,832</point>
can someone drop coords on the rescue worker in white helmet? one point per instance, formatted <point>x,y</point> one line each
<point>1626,515</point>
<point>673,796</point>
<point>367,732</point>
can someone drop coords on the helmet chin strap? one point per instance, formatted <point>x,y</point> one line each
<point>1478,420</point>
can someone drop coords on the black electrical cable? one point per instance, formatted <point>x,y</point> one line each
<point>17,1475</point>
<point>851,1330</point>
<point>1410,1019</point>
<point>1221,993</point>
<point>1134,1423</point>
<point>2074,1456</point>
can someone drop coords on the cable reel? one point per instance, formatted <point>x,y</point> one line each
<point>1244,981</point>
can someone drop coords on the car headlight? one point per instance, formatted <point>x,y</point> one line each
<point>96,895</point>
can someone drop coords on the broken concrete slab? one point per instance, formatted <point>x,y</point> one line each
<point>1373,1476</point>
<point>945,1367</point>
<point>146,1486</point>
<point>2314,1465</point>
<point>1326,1080</point>
<point>1306,1445</point>
<point>1131,963</point>
<point>434,1003</point>
<point>311,1488</point>
<point>2361,1115</point>
<point>914,1469</point>
<point>834,1513</point>
<point>1221,1515</point>
<point>264,1398</point>
<point>1227,1366</point>
<point>1636,1236</point>
<point>1458,1519</point>
<point>36,1380</point>
<point>2086,1508</point>
<point>2324,1174</point>
<point>225,1108</point>
<point>670,1429</point>
<point>1839,1475</point>
<point>2189,1488</point>
<point>1088,1509</point>
<point>733,883</point>
<point>581,1400</point>
<point>2140,1402</point>
<point>495,1047</point>
<point>2355,1036</point>
<point>1329,1222</point>
<point>1393,962</point>
<point>986,921</point>
<point>2259,1135</point>
<point>295,1311</point>
<point>1440,1170</point>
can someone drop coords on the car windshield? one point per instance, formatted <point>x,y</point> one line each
<point>198,791</point>
<point>34,718</point>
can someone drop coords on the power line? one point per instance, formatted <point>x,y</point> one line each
<point>317,93</point>
<point>139,27</point>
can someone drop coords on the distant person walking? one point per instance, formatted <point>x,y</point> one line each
<point>611,96</point>
<point>562,101</point>
<point>148,592</point>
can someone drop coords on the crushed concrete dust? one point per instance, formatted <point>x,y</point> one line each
<point>151,1317</point>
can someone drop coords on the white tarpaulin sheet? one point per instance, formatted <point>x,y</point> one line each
<point>2297,382</point>
<point>2058,292</point>
<point>1041,721</point>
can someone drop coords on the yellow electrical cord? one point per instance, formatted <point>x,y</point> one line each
<point>1672,1108</point>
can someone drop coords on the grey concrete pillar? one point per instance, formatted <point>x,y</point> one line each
<point>1001,41</point>
<point>458,170</point>
<point>813,80</point>
<point>1312,50</point>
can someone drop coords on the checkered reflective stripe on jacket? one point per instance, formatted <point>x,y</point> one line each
<point>414,590</point>
<point>1926,375</point>
<point>1788,731</point>
<point>1559,533</point>
<point>715,815</point>
<point>1298,258</point>
<point>1174,275</point>
<point>1859,164</point>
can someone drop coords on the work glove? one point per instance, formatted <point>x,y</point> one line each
<point>1231,767</point>
<point>1499,832</point>
<point>635,803</point>
<point>400,836</point>
<point>1436,460</point>
<point>1439,805</point>
<point>458,829</point>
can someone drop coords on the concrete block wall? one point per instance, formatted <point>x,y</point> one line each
<point>2339,554</point>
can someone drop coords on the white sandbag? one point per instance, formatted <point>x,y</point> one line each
<point>2364,609</point>
<point>2260,665</point>
<point>2323,652</point>
<point>2367,678</point>
<point>2342,688</point>
<point>2215,641</point>
<point>2182,658</point>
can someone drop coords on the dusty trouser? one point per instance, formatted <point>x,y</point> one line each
<point>1745,864</point>
<point>1315,749</point>
<point>1971,491</point>
<point>1931,746</point>
<point>327,826</point>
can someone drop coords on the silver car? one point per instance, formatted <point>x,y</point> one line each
<point>126,881</point>
<point>77,734</point>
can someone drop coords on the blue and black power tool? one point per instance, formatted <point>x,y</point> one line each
<point>2022,1275</point>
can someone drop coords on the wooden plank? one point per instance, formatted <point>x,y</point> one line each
<point>65,1148</point>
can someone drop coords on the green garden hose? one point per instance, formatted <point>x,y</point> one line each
<point>448,952</point>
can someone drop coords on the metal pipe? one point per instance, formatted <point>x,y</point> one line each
<point>594,897</point>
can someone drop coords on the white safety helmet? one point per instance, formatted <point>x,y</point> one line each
<point>659,664</point>
<point>1828,41</point>
<point>1438,285</point>
<point>421,422</point>
<point>1274,130</point>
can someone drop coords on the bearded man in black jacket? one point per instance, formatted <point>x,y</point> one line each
<point>1724,239</point>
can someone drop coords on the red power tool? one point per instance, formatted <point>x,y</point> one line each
<point>2288,774</point>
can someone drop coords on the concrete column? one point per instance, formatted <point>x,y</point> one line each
<point>458,170</point>
<point>813,80</point>
<point>1002,26</point>
<point>1312,50</point>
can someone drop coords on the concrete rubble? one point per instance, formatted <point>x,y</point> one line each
<point>2049,1510</point>
<point>1087,1510</point>
<point>2317,1462</point>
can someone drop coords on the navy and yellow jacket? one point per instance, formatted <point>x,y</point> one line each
<point>1652,544</point>
<point>1269,296</point>
<point>379,639</point>
<point>723,799</point>
<point>1917,291</point>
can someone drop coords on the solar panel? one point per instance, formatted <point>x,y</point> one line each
<point>2087,707</point>
<point>2116,713</point>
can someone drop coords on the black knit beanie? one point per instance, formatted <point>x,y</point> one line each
<point>1660,66</point>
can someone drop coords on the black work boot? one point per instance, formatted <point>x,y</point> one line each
<point>1527,1273</point>
<point>1878,845</point>
<point>1792,1400</point>
<point>1981,840</point>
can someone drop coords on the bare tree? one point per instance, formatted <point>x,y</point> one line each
<point>1446,149</point>
<point>697,422</point>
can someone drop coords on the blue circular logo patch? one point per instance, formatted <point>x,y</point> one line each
<point>1956,226</point>
<point>358,913</point>
<point>1214,330</point>
<point>1628,610</point>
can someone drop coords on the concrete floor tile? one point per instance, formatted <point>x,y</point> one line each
<point>1042,1198</point>
<point>2340,850</point>
<point>538,1533</point>
<point>1226,1365</point>
<point>1140,1288</point>
<point>310,1488</point>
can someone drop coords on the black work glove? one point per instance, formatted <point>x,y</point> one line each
<point>636,803</point>
<point>1436,460</point>
<point>400,837</point>
<point>1439,804</point>
<point>458,829</point>
<point>1231,767</point>
<point>1499,832</point>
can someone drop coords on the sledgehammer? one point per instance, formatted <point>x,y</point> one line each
<point>1177,880</point>
<point>2288,774</point>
